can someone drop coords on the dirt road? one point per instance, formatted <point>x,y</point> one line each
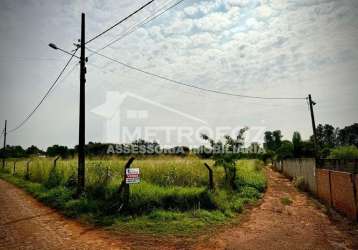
<point>301,225</point>
<point>27,224</point>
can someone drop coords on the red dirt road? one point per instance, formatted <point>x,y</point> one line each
<point>300,225</point>
<point>27,224</point>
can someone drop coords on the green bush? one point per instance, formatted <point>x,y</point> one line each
<point>344,153</point>
<point>54,178</point>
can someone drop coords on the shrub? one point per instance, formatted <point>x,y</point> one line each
<point>54,179</point>
<point>344,153</point>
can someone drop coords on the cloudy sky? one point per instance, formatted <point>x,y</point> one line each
<point>270,48</point>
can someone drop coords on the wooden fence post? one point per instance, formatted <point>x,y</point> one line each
<point>27,175</point>
<point>55,162</point>
<point>211,179</point>
<point>124,187</point>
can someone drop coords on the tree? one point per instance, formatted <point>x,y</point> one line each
<point>272,140</point>
<point>57,150</point>
<point>277,138</point>
<point>33,150</point>
<point>225,154</point>
<point>12,152</point>
<point>326,136</point>
<point>348,135</point>
<point>269,143</point>
<point>297,144</point>
<point>285,151</point>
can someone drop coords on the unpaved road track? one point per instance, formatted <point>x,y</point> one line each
<point>27,224</point>
<point>274,226</point>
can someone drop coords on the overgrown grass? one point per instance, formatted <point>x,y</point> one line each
<point>172,196</point>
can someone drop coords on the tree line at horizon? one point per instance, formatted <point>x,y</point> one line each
<point>329,138</point>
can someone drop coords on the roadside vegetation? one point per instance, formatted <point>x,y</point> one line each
<point>172,197</point>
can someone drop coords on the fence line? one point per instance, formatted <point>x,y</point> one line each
<point>334,182</point>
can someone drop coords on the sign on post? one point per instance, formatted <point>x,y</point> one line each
<point>132,175</point>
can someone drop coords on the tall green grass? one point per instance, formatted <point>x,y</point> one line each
<point>172,190</point>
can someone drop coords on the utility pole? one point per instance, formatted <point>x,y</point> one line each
<point>312,103</point>
<point>4,148</point>
<point>81,143</point>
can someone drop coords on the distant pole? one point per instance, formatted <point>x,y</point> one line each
<point>81,143</point>
<point>312,103</point>
<point>4,148</point>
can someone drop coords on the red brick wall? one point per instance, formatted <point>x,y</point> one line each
<point>322,179</point>
<point>343,194</point>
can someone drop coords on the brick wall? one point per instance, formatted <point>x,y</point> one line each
<point>323,186</point>
<point>343,193</point>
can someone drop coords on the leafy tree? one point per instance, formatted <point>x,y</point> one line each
<point>277,138</point>
<point>326,136</point>
<point>348,135</point>
<point>12,152</point>
<point>33,150</point>
<point>57,150</point>
<point>269,143</point>
<point>285,151</point>
<point>297,144</point>
<point>223,154</point>
<point>272,140</point>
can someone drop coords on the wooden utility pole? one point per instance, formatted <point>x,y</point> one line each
<point>312,103</point>
<point>81,143</point>
<point>4,148</point>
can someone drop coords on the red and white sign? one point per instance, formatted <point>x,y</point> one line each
<point>132,175</point>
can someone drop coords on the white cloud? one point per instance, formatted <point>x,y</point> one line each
<point>202,39</point>
<point>191,10</point>
<point>218,21</point>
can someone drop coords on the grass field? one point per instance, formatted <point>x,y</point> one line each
<point>172,196</point>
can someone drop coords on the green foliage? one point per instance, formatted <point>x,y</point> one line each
<point>297,144</point>
<point>172,194</point>
<point>57,150</point>
<point>272,140</point>
<point>285,151</point>
<point>54,178</point>
<point>225,154</point>
<point>344,153</point>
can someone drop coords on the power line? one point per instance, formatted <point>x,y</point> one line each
<point>193,86</point>
<point>45,96</point>
<point>121,21</point>
<point>142,23</point>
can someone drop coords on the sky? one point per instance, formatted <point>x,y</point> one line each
<point>269,48</point>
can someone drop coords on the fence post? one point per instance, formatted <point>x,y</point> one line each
<point>124,187</point>
<point>55,162</point>
<point>330,187</point>
<point>211,179</point>
<point>27,175</point>
<point>14,170</point>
